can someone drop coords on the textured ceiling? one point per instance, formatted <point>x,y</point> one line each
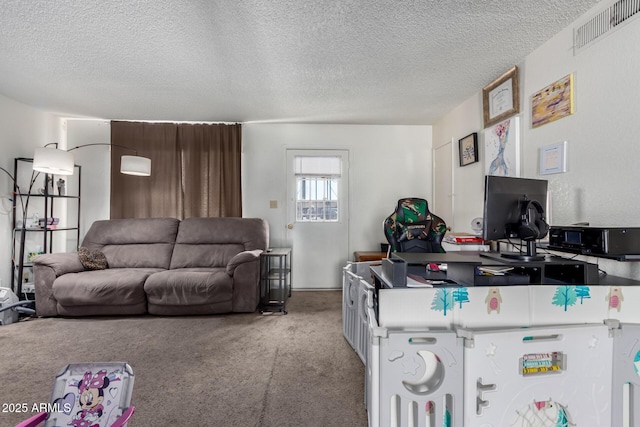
<point>311,61</point>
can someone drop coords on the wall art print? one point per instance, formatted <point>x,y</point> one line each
<point>468,149</point>
<point>502,148</point>
<point>552,102</point>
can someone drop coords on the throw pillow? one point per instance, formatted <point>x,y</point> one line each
<point>92,260</point>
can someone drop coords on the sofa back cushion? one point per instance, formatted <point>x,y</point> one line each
<point>212,242</point>
<point>135,242</point>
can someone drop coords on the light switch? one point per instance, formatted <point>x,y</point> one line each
<point>273,204</point>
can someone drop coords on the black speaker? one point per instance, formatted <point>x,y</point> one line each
<point>533,224</point>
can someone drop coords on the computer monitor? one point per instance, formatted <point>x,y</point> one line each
<point>515,208</point>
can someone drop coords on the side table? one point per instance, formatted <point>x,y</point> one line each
<point>275,278</point>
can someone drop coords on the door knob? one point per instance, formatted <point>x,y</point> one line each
<point>290,226</point>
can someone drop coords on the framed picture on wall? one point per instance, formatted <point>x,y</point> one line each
<point>502,148</point>
<point>468,149</point>
<point>501,98</point>
<point>553,158</point>
<point>552,102</point>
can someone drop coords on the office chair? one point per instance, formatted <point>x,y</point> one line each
<point>412,228</point>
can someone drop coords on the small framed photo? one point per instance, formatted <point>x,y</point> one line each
<point>553,158</point>
<point>501,98</point>
<point>468,147</point>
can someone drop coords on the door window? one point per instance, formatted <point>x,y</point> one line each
<point>317,187</point>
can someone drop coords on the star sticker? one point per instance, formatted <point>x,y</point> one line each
<point>491,350</point>
<point>410,366</point>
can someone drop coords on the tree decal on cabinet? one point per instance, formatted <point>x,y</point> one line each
<point>445,299</point>
<point>564,296</point>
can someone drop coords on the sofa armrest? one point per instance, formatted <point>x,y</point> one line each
<point>241,258</point>
<point>60,263</point>
<point>46,268</point>
<point>245,268</point>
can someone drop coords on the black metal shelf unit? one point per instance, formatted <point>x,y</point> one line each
<point>46,199</point>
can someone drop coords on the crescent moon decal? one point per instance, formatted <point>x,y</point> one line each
<point>432,377</point>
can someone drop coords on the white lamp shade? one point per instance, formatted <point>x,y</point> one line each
<point>135,165</point>
<point>53,161</point>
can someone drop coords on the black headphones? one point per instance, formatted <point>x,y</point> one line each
<point>532,228</point>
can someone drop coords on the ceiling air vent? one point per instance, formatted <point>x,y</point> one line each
<point>609,19</point>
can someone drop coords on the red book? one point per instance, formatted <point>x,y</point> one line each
<point>464,239</point>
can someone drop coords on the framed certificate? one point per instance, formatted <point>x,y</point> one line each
<point>501,98</point>
<point>553,158</point>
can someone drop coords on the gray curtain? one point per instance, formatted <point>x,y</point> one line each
<point>195,170</point>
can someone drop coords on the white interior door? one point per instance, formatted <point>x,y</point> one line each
<point>443,183</point>
<point>317,217</point>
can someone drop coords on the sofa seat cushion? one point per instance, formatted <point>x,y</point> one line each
<point>113,286</point>
<point>189,287</point>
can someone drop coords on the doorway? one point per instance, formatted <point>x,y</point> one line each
<point>317,216</point>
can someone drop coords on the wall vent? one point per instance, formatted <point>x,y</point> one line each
<point>609,19</point>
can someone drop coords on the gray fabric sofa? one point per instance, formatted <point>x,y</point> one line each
<point>159,266</point>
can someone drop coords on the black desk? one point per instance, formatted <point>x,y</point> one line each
<point>461,271</point>
<point>462,268</point>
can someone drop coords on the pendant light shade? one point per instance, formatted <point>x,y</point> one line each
<point>53,161</point>
<point>60,162</point>
<point>135,165</point>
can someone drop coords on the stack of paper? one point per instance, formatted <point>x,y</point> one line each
<point>495,270</point>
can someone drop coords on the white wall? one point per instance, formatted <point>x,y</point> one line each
<point>96,167</point>
<point>386,164</point>
<point>22,128</point>
<point>602,134</point>
<point>468,181</point>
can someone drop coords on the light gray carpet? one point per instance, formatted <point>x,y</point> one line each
<point>228,370</point>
